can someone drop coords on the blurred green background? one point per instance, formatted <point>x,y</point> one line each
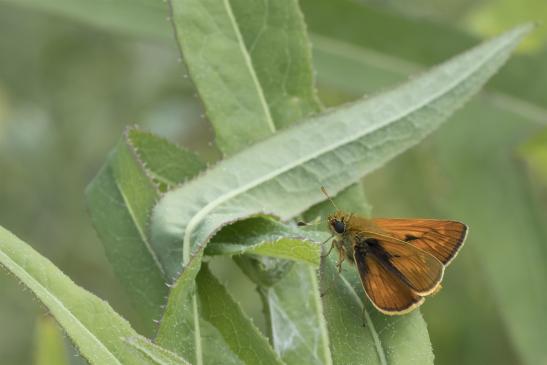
<point>73,75</point>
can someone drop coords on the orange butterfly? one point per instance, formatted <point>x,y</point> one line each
<point>400,261</point>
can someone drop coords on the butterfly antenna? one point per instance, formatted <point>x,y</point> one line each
<point>328,197</point>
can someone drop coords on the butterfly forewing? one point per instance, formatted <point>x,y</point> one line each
<point>440,238</point>
<point>384,289</point>
<point>417,269</point>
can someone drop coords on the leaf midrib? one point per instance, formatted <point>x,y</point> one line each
<point>319,312</point>
<point>250,66</point>
<point>143,236</point>
<point>136,342</point>
<point>22,275</point>
<point>202,213</point>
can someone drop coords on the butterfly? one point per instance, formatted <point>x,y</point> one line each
<point>400,261</point>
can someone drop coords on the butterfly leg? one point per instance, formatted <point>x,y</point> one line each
<point>341,254</point>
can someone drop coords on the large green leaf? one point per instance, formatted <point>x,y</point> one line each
<point>248,90</point>
<point>282,174</point>
<point>98,331</point>
<point>120,200</point>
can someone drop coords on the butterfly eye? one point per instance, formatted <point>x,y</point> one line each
<point>339,226</point>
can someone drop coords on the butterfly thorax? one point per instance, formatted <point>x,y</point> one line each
<point>350,231</point>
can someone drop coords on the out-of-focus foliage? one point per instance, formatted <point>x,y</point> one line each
<point>49,343</point>
<point>67,90</point>
<point>490,17</point>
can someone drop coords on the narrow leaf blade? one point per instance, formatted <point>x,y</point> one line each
<point>183,330</point>
<point>120,200</point>
<point>90,322</point>
<point>219,309</point>
<point>248,91</point>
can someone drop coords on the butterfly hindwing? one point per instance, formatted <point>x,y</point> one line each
<point>384,289</point>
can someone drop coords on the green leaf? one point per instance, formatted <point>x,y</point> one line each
<point>166,163</point>
<point>264,271</point>
<point>91,323</point>
<point>295,314</point>
<point>180,333</point>
<point>335,149</point>
<point>158,355</point>
<point>219,309</point>
<point>248,90</point>
<point>49,343</point>
<point>268,237</point>
<point>178,329</point>
<point>120,200</point>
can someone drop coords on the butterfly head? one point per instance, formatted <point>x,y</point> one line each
<point>338,223</point>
